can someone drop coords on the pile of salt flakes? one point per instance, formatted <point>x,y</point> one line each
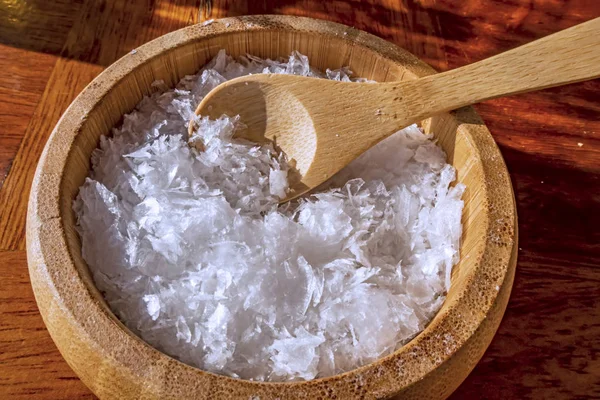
<point>193,253</point>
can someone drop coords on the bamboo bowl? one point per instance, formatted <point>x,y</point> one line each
<point>116,364</point>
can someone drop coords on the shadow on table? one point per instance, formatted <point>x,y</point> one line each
<point>99,32</point>
<point>550,334</point>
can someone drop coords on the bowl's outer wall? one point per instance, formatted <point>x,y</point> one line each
<point>114,363</point>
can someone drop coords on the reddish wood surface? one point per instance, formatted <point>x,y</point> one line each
<point>548,345</point>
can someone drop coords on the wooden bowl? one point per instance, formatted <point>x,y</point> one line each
<point>115,364</point>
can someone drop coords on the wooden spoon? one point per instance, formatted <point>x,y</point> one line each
<point>323,125</point>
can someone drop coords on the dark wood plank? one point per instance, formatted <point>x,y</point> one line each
<point>37,25</point>
<point>105,31</point>
<point>21,86</point>
<point>30,364</point>
<point>548,344</point>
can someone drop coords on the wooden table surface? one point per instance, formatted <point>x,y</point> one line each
<point>548,345</point>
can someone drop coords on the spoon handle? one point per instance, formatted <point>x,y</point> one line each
<point>568,56</point>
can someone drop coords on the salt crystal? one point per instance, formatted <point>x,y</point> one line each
<point>278,183</point>
<point>134,51</point>
<point>153,304</point>
<point>185,238</point>
<point>295,356</point>
<point>580,144</point>
<point>208,22</point>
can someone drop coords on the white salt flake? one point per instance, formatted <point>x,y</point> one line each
<point>185,238</point>
<point>153,304</point>
<point>278,183</point>
<point>295,356</point>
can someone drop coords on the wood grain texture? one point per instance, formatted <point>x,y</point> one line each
<point>547,345</point>
<point>30,364</point>
<point>21,87</point>
<point>37,25</point>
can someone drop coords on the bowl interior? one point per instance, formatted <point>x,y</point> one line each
<point>323,52</point>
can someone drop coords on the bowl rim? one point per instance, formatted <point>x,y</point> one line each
<point>51,274</point>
